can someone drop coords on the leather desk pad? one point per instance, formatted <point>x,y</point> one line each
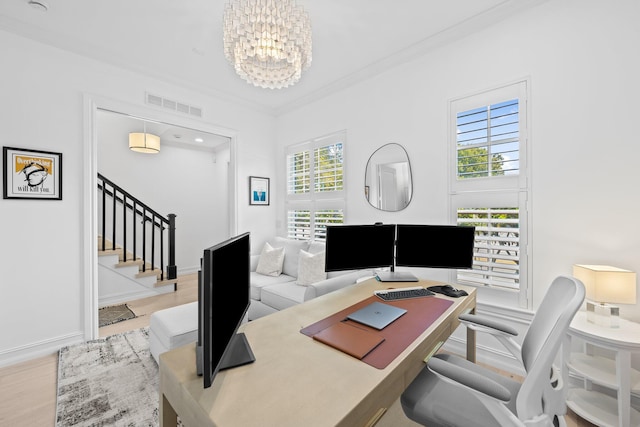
<point>421,313</point>
<point>351,339</point>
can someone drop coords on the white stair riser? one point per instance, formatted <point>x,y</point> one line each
<point>120,284</point>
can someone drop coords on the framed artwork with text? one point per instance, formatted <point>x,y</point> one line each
<point>31,174</point>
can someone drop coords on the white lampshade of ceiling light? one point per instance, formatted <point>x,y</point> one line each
<point>143,142</point>
<point>267,41</point>
<point>608,284</point>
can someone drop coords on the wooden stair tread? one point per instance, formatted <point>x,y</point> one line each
<point>166,282</point>
<point>149,269</point>
<point>129,263</point>
<point>149,272</point>
<point>110,252</point>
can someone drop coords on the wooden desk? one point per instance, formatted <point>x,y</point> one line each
<point>295,380</point>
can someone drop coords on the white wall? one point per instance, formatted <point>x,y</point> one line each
<point>42,268</point>
<point>581,59</point>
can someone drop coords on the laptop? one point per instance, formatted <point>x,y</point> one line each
<point>396,276</point>
<point>377,315</point>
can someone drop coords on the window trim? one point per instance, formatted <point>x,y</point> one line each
<point>495,191</point>
<point>518,89</point>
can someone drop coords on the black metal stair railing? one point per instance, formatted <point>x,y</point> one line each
<point>132,211</point>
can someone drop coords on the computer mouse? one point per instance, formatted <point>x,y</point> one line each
<point>453,292</point>
<point>448,290</point>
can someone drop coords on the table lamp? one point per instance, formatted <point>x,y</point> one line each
<point>604,285</point>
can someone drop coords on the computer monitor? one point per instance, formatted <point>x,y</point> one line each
<point>223,302</point>
<point>352,247</point>
<point>435,246</point>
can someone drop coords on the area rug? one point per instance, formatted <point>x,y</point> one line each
<point>114,314</point>
<point>111,381</point>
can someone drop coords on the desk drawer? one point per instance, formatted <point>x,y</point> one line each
<point>427,349</point>
<point>378,401</point>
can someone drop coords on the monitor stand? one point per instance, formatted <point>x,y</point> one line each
<point>199,362</point>
<point>238,353</point>
<point>396,276</point>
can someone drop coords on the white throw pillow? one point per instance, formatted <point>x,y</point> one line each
<point>270,262</point>
<point>291,251</point>
<point>310,268</point>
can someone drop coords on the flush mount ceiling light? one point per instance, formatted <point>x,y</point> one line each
<point>144,142</point>
<point>267,41</point>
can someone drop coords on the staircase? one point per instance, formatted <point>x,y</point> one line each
<point>136,260</point>
<point>124,279</point>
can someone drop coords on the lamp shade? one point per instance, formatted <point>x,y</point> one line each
<point>604,283</point>
<point>143,142</point>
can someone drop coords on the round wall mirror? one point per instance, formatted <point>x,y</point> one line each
<point>388,184</point>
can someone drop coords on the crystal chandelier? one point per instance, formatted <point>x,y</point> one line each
<point>267,41</point>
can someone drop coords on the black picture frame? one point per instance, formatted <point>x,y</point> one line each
<point>31,174</point>
<point>259,191</point>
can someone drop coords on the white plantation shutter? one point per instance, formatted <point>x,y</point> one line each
<point>328,168</point>
<point>299,224</point>
<point>298,173</point>
<point>315,187</point>
<point>496,259</point>
<point>326,217</point>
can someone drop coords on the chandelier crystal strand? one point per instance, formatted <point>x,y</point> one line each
<point>267,41</point>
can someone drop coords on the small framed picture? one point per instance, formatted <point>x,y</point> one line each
<point>31,174</point>
<point>258,191</point>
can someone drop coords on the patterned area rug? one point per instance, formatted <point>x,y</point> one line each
<point>114,314</point>
<point>111,381</point>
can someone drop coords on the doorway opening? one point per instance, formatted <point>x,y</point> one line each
<point>193,179</point>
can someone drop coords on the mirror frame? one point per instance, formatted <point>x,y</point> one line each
<point>367,183</point>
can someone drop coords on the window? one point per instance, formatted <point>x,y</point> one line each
<point>488,140</point>
<point>488,185</point>
<point>315,187</point>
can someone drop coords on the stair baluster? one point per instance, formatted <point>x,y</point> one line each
<point>135,208</point>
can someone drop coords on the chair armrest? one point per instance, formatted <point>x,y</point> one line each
<point>486,324</point>
<point>474,381</point>
<point>503,333</point>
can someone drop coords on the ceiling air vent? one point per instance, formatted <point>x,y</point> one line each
<point>179,107</point>
<point>154,100</point>
<point>183,108</point>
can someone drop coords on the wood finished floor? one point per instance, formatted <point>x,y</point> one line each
<point>28,389</point>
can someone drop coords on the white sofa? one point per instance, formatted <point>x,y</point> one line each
<point>177,326</point>
<point>173,327</point>
<point>274,293</point>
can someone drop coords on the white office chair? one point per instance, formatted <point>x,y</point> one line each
<point>452,391</point>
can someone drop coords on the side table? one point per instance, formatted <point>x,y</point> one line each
<point>604,369</point>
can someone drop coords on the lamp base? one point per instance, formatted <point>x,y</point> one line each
<point>603,314</point>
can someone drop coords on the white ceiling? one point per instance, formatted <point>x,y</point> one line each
<point>171,134</point>
<point>180,41</point>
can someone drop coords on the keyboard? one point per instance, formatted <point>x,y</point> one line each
<point>403,293</point>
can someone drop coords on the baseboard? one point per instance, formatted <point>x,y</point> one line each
<point>188,270</point>
<point>38,349</point>
<point>122,298</point>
